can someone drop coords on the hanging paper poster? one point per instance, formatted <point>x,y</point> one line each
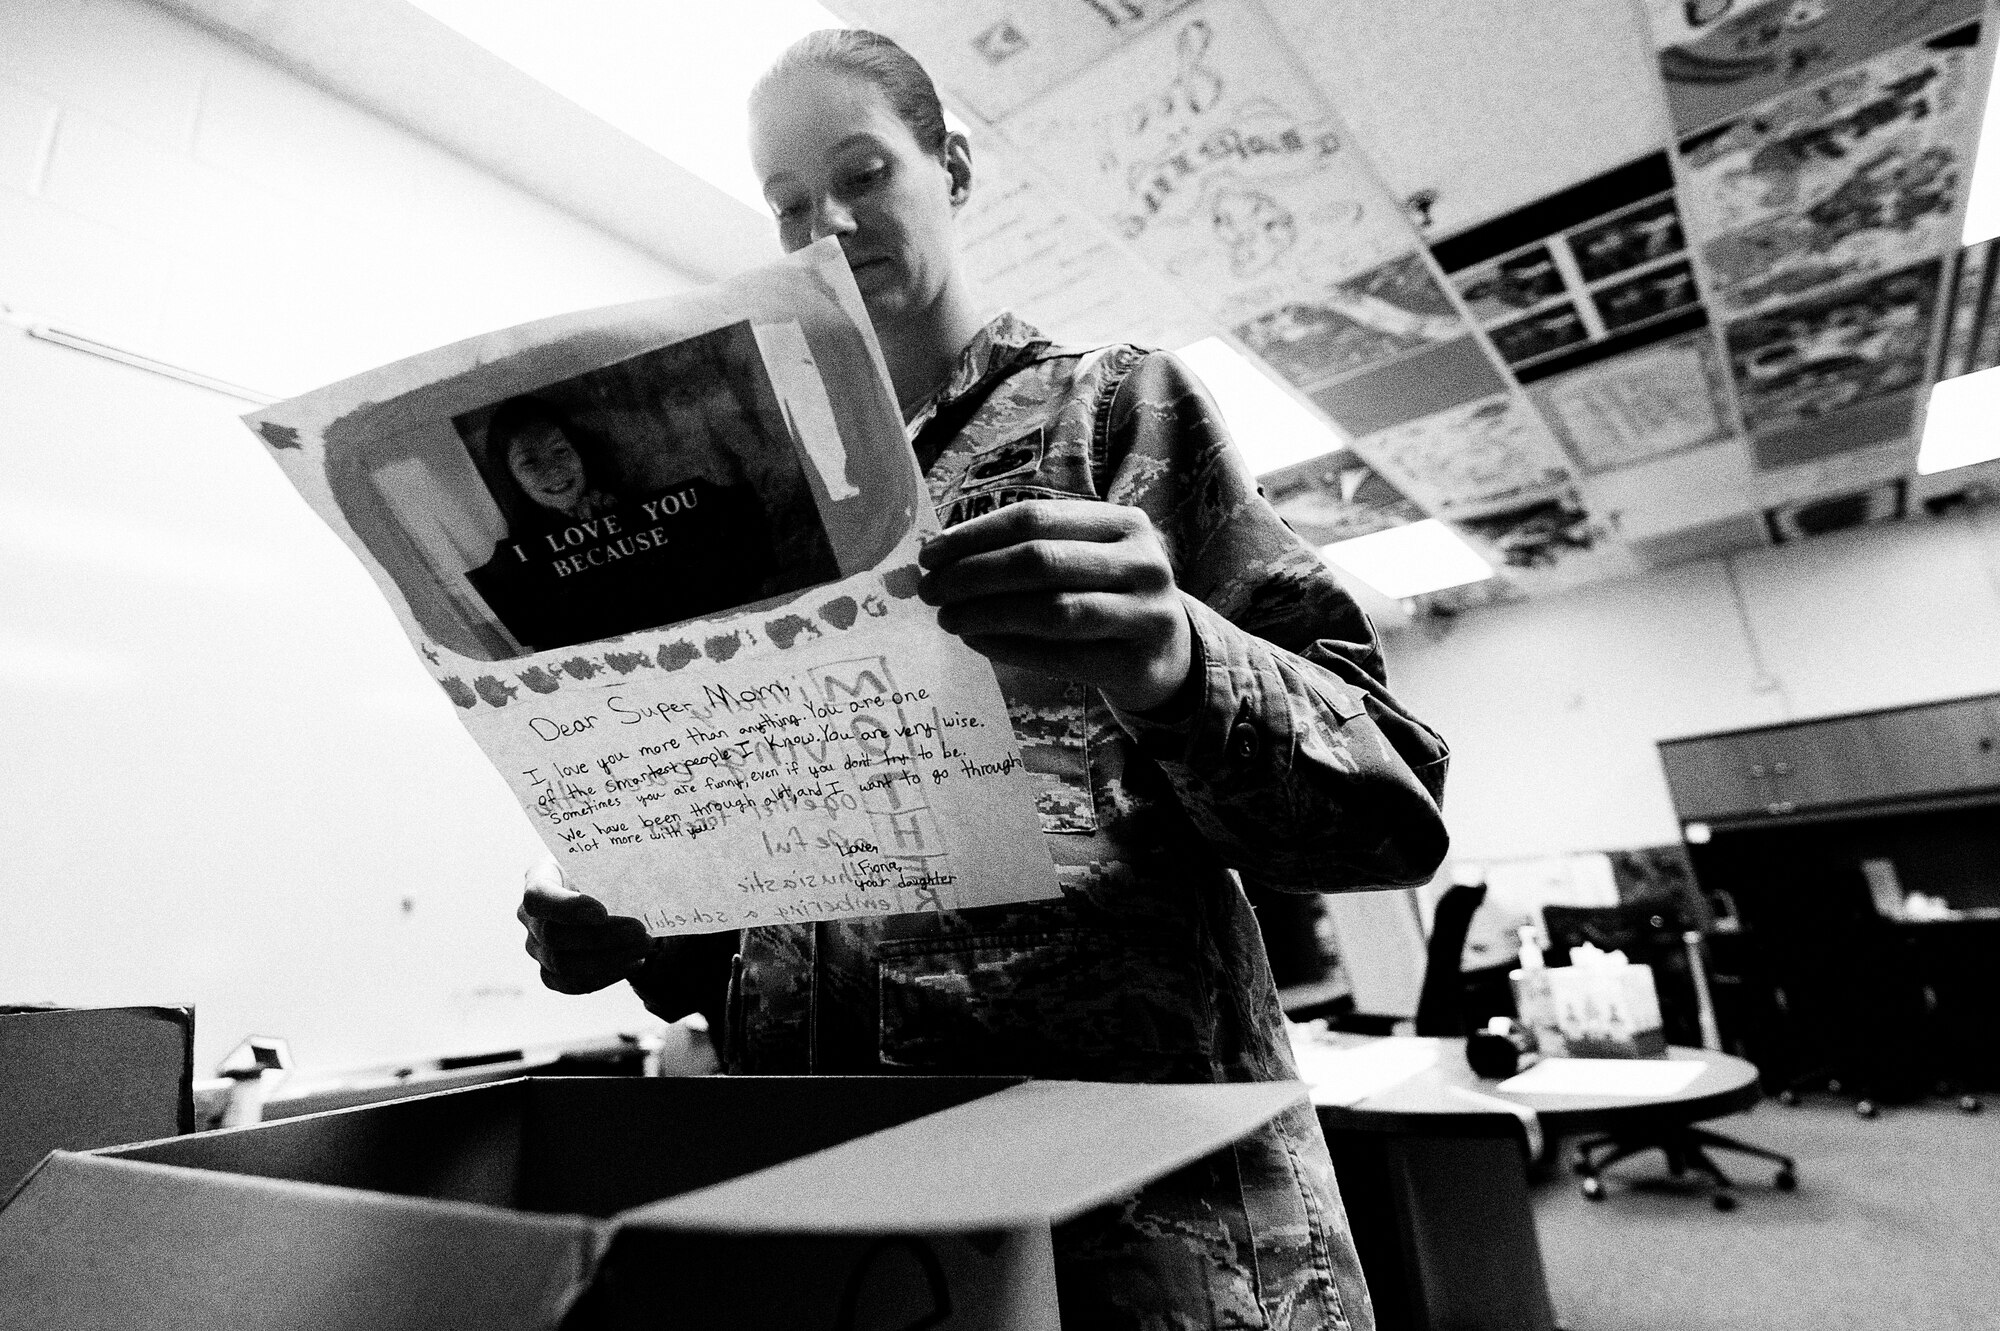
<point>1856,175</point>
<point>1059,270</point>
<point>1204,146</point>
<point>1336,498</point>
<point>1472,110</point>
<point>1551,544</point>
<point>1472,458</point>
<point>1644,404</point>
<point>662,557</point>
<point>1721,57</point>
<point>1808,361</point>
<point>1585,275</point>
<point>995,57</point>
<point>1842,512</point>
<point>1384,313</point>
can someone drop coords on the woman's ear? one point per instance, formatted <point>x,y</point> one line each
<point>958,165</point>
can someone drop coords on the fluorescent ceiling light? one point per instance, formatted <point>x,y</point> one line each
<point>1963,424</point>
<point>1982,209</point>
<point>1271,427</point>
<point>675,76</point>
<point>1409,560</point>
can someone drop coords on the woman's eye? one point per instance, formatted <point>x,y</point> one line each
<point>857,182</point>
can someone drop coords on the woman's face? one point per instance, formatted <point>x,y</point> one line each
<point>546,464</point>
<point>836,160</point>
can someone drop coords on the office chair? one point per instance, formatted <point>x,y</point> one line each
<point>1654,933</point>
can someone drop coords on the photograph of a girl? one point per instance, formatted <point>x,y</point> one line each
<point>646,493</point>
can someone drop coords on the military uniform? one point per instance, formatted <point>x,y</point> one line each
<point>1296,767</point>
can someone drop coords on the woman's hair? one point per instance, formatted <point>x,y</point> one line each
<point>509,419</point>
<point>871,56</point>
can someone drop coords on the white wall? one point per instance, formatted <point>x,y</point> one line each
<point>1552,707</point>
<point>225,780</point>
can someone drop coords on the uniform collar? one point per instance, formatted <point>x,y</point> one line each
<point>999,347</point>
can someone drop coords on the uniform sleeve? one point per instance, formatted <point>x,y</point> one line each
<point>1296,763</point>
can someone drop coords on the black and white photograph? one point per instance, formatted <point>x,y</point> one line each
<point>1650,295</point>
<point>1507,286</point>
<point>1650,231</point>
<point>1540,334</point>
<point>649,492</point>
<point>1000,665</point>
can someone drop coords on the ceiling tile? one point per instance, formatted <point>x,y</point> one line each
<point>1481,108</point>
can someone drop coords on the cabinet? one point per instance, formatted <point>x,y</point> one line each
<point>1907,753</point>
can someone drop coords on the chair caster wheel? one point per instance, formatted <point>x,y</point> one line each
<point>1865,1109</point>
<point>1786,1181</point>
<point>1788,1098</point>
<point>1722,1201</point>
<point>1593,1188</point>
<point>1970,1104</point>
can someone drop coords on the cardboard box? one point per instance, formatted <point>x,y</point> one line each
<point>608,1202</point>
<point>78,1078</point>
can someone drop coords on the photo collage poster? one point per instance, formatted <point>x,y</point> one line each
<point>1596,271</point>
<point>662,557</point>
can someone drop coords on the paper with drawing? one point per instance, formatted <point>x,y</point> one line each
<point>1206,148</point>
<point>662,557</point>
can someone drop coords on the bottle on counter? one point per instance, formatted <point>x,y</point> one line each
<point>1534,998</point>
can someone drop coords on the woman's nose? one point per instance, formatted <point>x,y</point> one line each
<point>831,218</point>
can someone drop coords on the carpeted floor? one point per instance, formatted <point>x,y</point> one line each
<point>1895,1226</point>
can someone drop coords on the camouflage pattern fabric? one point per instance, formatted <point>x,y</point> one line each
<point>1297,767</point>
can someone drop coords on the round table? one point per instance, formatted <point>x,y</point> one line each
<point>1426,1105</point>
<point>1434,1177</point>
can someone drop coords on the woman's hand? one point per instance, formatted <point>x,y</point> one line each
<point>1073,587</point>
<point>580,946</point>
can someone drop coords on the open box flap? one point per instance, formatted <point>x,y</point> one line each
<point>77,1078</point>
<point>1035,1153</point>
<point>100,1243</point>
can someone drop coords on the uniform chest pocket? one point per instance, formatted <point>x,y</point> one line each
<point>1068,1003</point>
<point>1015,460</point>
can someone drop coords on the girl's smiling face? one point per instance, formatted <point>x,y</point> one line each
<point>546,465</point>
<point>836,160</point>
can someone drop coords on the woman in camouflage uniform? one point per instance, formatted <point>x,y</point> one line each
<point>1204,697</point>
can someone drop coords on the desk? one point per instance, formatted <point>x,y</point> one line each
<point>1436,1185</point>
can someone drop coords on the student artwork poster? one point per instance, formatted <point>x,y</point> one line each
<point>1810,360</point>
<point>1207,148</point>
<point>1859,174</point>
<point>1337,498</point>
<point>1386,312</point>
<point>1646,403</point>
<point>662,557</point>
<point>1721,57</point>
<point>1494,453</point>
